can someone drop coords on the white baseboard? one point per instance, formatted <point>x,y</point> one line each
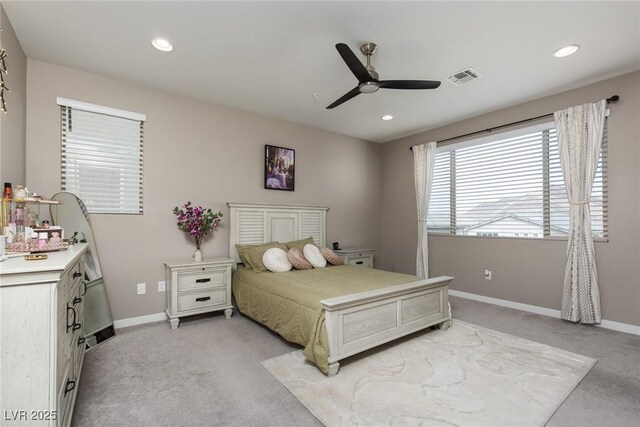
<point>132,321</point>
<point>607,324</point>
<point>622,327</point>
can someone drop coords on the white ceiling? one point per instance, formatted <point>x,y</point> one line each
<point>270,57</point>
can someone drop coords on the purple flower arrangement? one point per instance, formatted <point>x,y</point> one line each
<point>196,221</point>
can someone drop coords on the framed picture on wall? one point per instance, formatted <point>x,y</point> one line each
<point>279,168</point>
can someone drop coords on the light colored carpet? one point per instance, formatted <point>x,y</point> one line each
<point>465,376</point>
<point>208,373</point>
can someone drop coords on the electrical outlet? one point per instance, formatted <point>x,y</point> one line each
<point>487,274</point>
<point>142,288</point>
<point>161,286</point>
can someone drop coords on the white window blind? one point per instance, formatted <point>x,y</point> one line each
<point>509,185</point>
<point>102,157</point>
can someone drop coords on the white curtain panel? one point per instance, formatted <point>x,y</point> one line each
<point>424,158</point>
<point>580,132</point>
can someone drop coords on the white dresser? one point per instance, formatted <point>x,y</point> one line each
<point>357,256</point>
<point>41,337</point>
<point>198,287</point>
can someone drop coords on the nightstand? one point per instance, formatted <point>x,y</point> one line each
<point>357,256</point>
<point>197,287</point>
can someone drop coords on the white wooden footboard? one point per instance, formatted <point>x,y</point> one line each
<point>360,321</point>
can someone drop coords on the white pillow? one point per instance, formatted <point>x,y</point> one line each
<point>275,259</point>
<point>314,256</point>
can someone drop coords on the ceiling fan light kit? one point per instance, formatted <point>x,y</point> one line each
<point>368,78</point>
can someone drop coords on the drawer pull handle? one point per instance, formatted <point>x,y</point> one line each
<point>69,386</point>
<point>208,279</point>
<point>77,300</point>
<point>203,299</point>
<point>359,262</point>
<point>76,326</point>
<point>73,322</point>
<point>81,341</point>
<point>77,274</point>
<point>84,290</point>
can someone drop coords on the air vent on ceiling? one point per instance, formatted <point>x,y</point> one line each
<point>464,76</point>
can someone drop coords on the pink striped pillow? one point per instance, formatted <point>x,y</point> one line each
<point>299,262</point>
<point>332,257</point>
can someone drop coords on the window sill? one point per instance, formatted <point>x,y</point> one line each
<point>537,239</point>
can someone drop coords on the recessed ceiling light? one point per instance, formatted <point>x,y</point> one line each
<point>387,117</point>
<point>566,51</point>
<point>162,44</point>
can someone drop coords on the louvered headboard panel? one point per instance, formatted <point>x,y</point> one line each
<point>252,224</point>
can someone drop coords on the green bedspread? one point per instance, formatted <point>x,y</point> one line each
<point>289,303</point>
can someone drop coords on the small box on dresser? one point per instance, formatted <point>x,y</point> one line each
<point>197,287</point>
<point>357,256</point>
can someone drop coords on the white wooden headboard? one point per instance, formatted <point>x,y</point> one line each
<point>253,224</point>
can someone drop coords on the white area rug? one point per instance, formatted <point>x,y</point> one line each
<point>464,376</point>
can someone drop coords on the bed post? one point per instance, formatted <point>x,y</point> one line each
<point>333,369</point>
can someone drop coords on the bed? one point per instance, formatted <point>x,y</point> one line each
<point>334,312</point>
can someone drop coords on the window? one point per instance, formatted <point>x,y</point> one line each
<point>102,151</point>
<point>509,185</point>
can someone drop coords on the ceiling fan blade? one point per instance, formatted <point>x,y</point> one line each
<point>408,84</point>
<point>354,64</point>
<point>344,98</point>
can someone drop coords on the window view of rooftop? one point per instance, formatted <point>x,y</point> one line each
<point>508,187</point>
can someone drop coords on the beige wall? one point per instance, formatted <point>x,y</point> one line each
<point>12,124</point>
<point>212,154</point>
<point>204,153</point>
<point>528,271</point>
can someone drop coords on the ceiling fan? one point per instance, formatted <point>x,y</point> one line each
<point>368,77</point>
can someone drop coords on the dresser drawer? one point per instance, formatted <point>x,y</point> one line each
<point>64,397</point>
<point>63,357</point>
<point>77,350</point>
<point>201,279</point>
<point>64,290</point>
<point>202,299</point>
<point>76,274</point>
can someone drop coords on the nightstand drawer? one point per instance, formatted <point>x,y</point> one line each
<point>365,261</point>
<point>196,300</point>
<point>201,279</point>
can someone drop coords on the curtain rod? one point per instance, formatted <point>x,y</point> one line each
<point>612,100</point>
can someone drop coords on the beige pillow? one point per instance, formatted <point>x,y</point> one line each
<point>275,260</point>
<point>242,249</point>
<point>253,255</point>
<point>331,257</point>
<point>295,257</point>
<point>300,243</point>
<point>313,255</point>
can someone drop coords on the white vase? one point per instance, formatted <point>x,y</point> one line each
<point>197,256</point>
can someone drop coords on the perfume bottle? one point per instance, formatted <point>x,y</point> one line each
<point>19,218</point>
<point>7,190</point>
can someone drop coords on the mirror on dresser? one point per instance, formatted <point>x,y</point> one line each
<point>73,217</point>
